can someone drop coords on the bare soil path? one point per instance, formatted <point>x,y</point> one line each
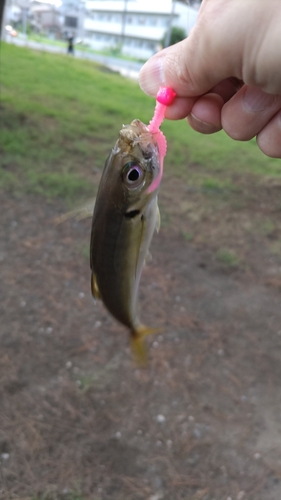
<point>79,421</point>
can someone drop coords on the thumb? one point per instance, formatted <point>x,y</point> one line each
<point>210,54</point>
<point>230,39</point>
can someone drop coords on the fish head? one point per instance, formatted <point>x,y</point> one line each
<point>129,173</point>
<point>137,159</point>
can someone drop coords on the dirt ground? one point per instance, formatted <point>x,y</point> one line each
<point>203,420</point>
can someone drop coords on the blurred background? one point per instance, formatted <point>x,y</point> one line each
<point>78,419</point>
<point>136,29</point>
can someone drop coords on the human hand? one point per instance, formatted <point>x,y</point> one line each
<point>227,73</point>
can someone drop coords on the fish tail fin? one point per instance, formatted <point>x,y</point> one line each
<point>137,342</point>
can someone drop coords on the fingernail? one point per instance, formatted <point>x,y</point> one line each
<point>201,126</point>
<point>255,100</point>
<point>152,76</point>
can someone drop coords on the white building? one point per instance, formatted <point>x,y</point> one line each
<point>44,17</point>
<point>72,12</point>
<point>136,26</point>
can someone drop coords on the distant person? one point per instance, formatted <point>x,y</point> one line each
<point>227,73</point>
<point>70,46</point>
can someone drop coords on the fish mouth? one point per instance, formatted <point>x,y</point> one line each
<point>135,133</point>
<point>138,134</point>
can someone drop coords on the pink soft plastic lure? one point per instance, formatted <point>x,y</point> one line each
<point>164,98</point>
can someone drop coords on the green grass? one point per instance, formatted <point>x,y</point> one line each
<point>60,116</point>
<point>46,40</point>
<point>114,51</point>
<point>217,152</point>
<point>188,236</point>
<point>228,257</point>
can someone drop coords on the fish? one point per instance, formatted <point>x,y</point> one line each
<point>125,217</point>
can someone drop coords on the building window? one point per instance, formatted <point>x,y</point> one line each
<point>70,22</point>
<point>141,20</point>
<point>116,18</point>
<point>152,21</point>
<point>150,45</point>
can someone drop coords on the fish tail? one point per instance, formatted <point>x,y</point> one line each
<point>137,343</point>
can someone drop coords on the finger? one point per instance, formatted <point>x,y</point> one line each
<point>177,67</point>
<point>180,108</point>
<point>248,111</point>
<point>224,43</point>
<point>211,53</point>
<point>268,139</point>
<point>205,116</point>
<point>227,88</point>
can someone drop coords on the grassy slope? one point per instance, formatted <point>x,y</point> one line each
<point>60,117</point>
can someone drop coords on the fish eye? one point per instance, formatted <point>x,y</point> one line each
<point>132,174</point>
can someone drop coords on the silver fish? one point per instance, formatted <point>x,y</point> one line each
<point>125,217</point>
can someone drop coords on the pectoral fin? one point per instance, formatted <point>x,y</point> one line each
<point>94,287</point>
<point>158,220</point>
<point>148,256</point>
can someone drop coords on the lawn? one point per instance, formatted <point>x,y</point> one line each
<point>60,117</point>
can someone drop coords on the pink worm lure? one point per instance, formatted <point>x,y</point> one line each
<point>165,97</point>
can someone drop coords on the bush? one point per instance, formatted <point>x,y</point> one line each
<point>177,34</point>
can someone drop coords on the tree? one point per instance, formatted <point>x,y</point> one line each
<point>2,7</point>
<point>177,34</point>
